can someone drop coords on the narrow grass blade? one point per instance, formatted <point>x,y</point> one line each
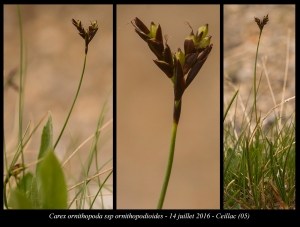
<point>231,101</point>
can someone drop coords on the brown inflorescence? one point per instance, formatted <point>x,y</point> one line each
<point>177,65</point>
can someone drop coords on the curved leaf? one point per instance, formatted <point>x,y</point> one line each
<point>231,101</point>
<point>46,140</point>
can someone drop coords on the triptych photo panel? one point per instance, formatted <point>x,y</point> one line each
<point>132,107</point>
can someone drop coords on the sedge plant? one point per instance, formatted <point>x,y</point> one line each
<point>47,187</point>
<point>259,161</point>
<point>87,35</point>
<point>180,67</point>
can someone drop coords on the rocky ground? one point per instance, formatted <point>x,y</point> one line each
<point>276,59</point>
<point>276,52</point>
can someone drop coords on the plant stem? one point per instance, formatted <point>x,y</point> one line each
<point>169,167</point>
<point>21,91</point>
<point>256,120</point>
<point>73,102</point>
<point>255,91</point>
<point>21,76</point>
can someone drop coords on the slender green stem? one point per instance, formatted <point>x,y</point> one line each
<point>256,120</point>
<point>73,102</point>
<point>255,63</point>
<point>169,167</point>
<point>21,76</point>
<point>21,91</point>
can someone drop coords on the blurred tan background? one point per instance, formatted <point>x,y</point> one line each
<point>55,61</point>
<point>145,112</point>
<point>240,42</point>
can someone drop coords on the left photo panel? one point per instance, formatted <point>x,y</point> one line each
<point>58,106</point>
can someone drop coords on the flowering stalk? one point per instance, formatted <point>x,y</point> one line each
<point>87,35</point>
<point>176,66</point>
<point>260,24</point>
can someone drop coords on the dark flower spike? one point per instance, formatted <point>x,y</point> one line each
<point>87,34</point>
<point>262,23</point>
<point>189,46</point>
<point>200,40</point>
<point>154,32</point>
<point>93,28</point>
<point>179,87</point>
<point>199,63</point>
<point>165,67</point>
<point>156,47</point>
<point>152,36</point>
<point>79,27</point>
<point>176,66</point>
<point>179,81</point>
<point>167,54</point>
<point>141,29</point>
<point>190,60</point>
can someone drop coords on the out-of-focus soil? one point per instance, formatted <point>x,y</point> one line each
<point>277,47</point>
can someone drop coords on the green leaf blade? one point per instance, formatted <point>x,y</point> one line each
<point>46,140</point>
<point>25,183</point>
<point>18,200</point>
<point>52,185</point>
<point>35,199</point>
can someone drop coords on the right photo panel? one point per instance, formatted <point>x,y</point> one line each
<point>259,107</point>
